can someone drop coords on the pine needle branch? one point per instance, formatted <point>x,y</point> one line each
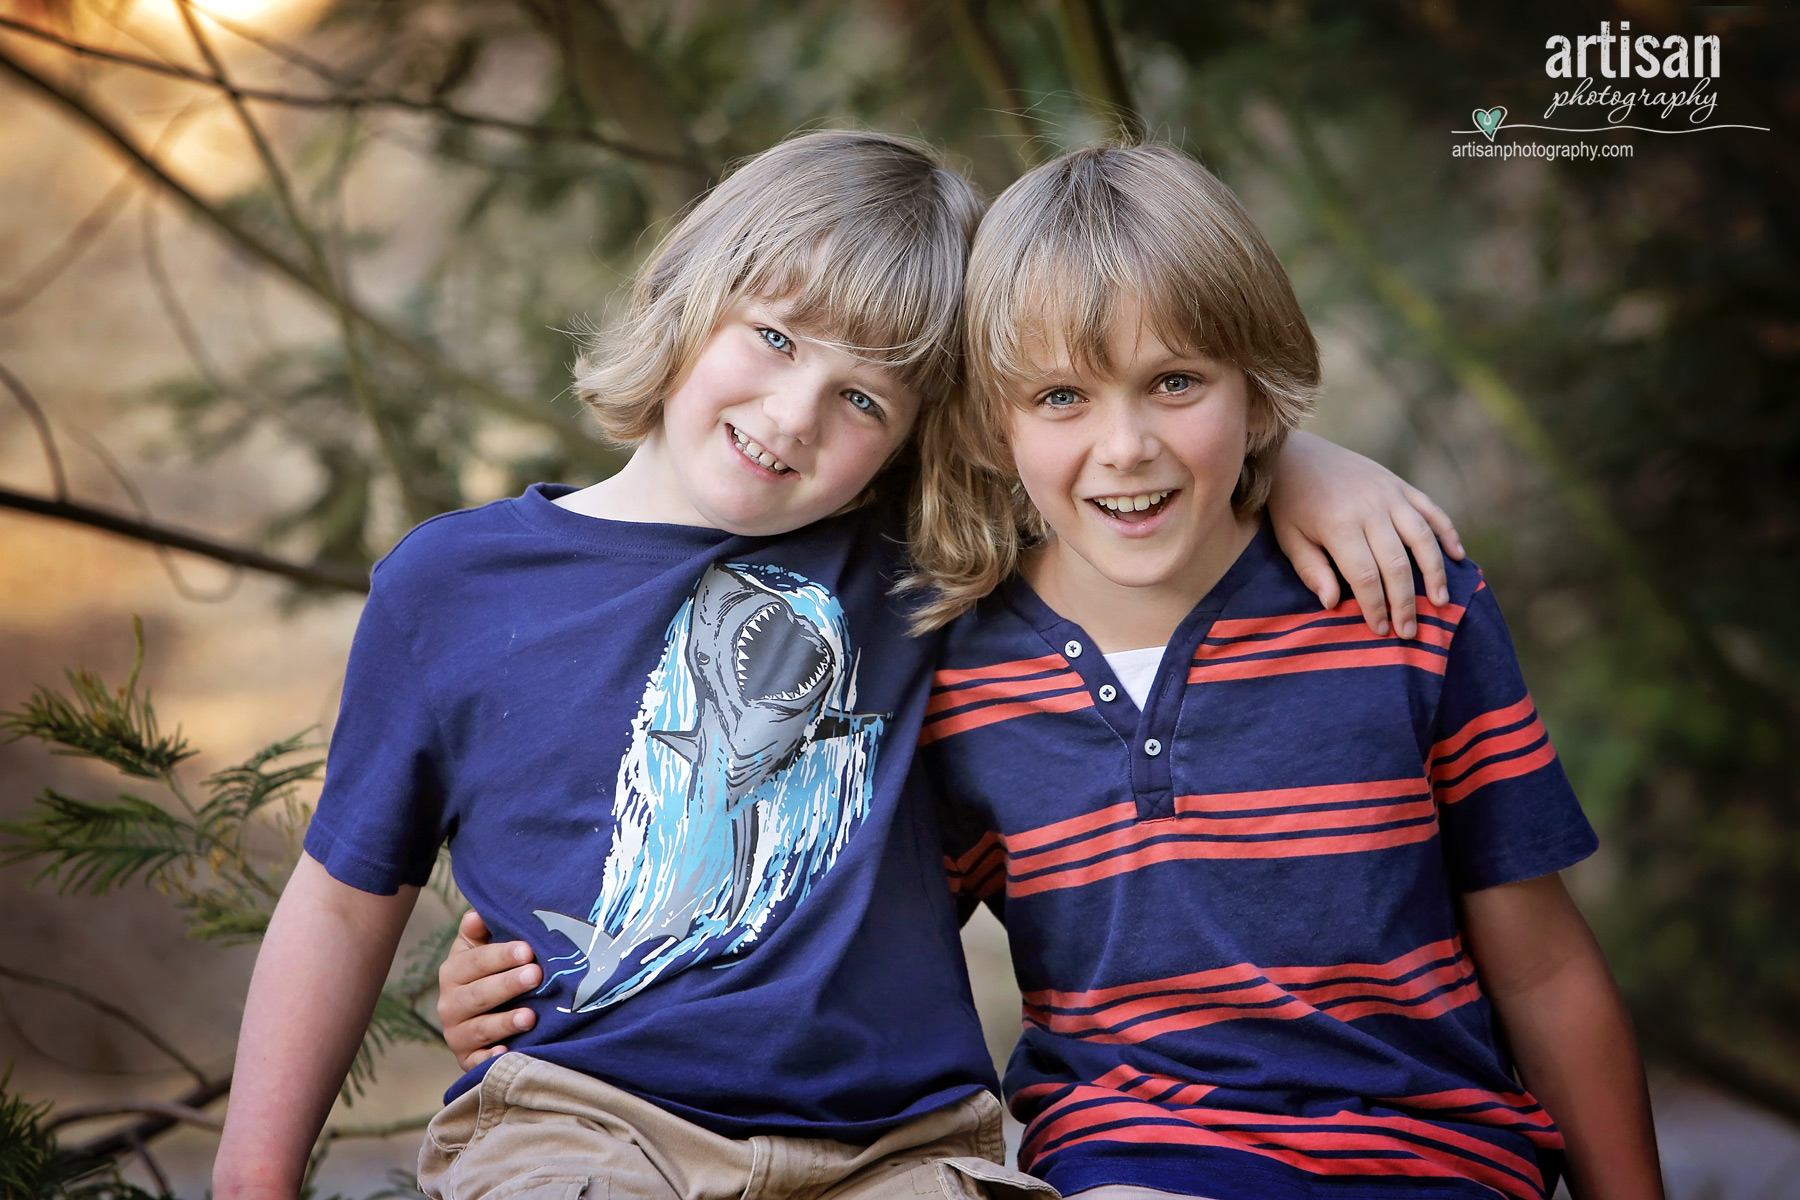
<point>118,727</point>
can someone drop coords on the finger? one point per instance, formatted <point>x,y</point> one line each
<point>469,1039</point>
<point>1396,577</point>
<point>487,993</point>
<point>466,966</point>
<point>1416,532</point>
<point>1310,564</point>
<point>1439,520</point>
<point>1356,563</point>
<point>472,930</point>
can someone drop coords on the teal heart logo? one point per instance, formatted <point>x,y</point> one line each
<point>1488,120</point>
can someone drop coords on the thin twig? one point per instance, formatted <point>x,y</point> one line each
<point>59,481</point>
<point>109,1009</point>
<point>385,1129</point>
<point>184,1113</point>
<point>353,101</point>
<point>185,333</point>
<point>156,1175</point>
<point>575,443</point>
<point>999,77</point>
<point>335,291</point>
<point>124,1141</point>
<point>1093,54</point>
<point>31,284</point>
<point>186,590</point>
<point>323,575</point>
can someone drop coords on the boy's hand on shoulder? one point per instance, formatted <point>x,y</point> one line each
<point>1329,501</point>
<point>475,977</point>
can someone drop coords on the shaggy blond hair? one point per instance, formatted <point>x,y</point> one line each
<point>862,236</point>
<point>1059,255</point>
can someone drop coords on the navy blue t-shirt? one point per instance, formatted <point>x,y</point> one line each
<point>1233,913</point>
<point>678,763</point>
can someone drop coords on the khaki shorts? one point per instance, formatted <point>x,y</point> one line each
<point>534,1129</point>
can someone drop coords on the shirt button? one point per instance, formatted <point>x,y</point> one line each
<point>1153,747</point>
<point>1072,649</point>
<point>1108,692</point>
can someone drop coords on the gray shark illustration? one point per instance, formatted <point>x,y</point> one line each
<point>763,675</point>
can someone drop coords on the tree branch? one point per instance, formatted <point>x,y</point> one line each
<point>106,1008</point>
<point>336,293</point>
<point>128,1139</point>
<point>352,101</point>
<point>575,443</point>
<point>999,77</point>
<point>1669,1039</point>
<point>59,480</point>
<point>1093,55</point>
<point>181,1113</point>
<point>610,78</point>
<point>323,575</point>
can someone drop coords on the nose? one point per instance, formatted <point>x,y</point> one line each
<point>795,406</point>
<point>1126,439</point>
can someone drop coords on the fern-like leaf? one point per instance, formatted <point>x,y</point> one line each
<point>118,727</point>
<point>94,848</point>
<point>225,917</point>
<point>239,791</point>
<point>34,1167</point>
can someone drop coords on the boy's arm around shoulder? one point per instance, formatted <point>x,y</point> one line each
<point>1569,1032</point>
<point>317,978</point>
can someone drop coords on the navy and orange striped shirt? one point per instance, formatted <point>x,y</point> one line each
<point>1233,916</point>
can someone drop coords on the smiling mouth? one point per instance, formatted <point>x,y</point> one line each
<point>1133,509</point>
<point>756,452</point>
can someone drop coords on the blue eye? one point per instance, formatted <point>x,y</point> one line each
<point>863,402</point>
<point>1176,384</point>
<point>1060,398</point>
<point>777,340</point>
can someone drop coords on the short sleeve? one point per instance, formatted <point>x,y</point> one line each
<point>1504,803</point>
<point>378,824</point>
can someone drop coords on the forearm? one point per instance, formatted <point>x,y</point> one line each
<point>317,977</point>
<point>1570,1036</point>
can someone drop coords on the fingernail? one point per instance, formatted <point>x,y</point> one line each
<point>1442,597</point>
<point>1408,629</point>
<point>1381,628</point>
<point>521,953</point>
<point>1321,598</point>
<point>521,1019</point>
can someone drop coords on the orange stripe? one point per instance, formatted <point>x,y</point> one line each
<point>1248,627</point>
<point>1023,666</point>
<point>1301,976</point>
<point>1511,768</point>
<point>943,701</point>
<point>1330,793</point>
<point>1177,851</point>
<point>983,844</point>
<point>1511,714</point>
<point>1056,831</point>
<point>1264,825</point>
<point>1216,977</point>
<point>1454,982</point>
<point>1519,1113</point>
<point>941,727</point>
<point>1318,660</point>
<point>1318,635</point>
<point>1295,1141</point>
<point>1487,748</point>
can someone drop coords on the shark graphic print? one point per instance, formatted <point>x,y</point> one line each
<point>747,774</point>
